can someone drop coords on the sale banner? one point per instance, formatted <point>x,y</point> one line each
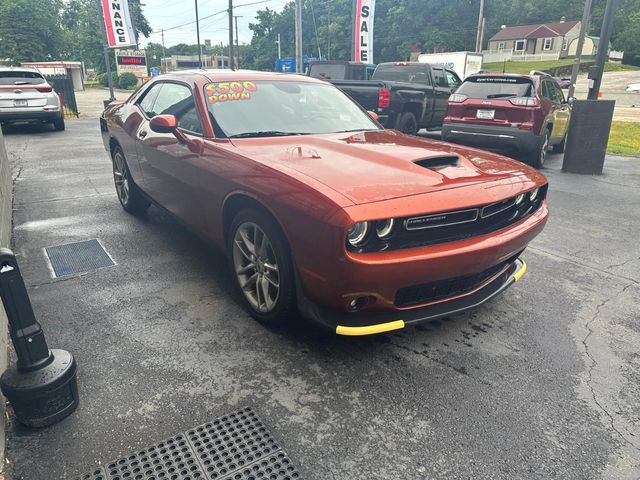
<point>118,23</point>
<point>363,30</point>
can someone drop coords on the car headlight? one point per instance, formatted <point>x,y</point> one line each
<point>357,233</point>
<point>519,199</point>
<point>384,228</point>
<point>533,194</point>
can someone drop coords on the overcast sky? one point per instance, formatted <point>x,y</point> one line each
<point>171,13</point>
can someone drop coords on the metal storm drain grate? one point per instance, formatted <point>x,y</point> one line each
<point>78,257</point>
<point>235,447</point>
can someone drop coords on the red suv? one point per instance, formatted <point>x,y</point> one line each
<point>522,113</point>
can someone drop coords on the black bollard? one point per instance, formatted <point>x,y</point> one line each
<point>42,386</point>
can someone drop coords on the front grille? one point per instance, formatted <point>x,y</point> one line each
<point>451,226</point>
<point>431,292</point>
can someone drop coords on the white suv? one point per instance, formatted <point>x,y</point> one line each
<point>25,96</point>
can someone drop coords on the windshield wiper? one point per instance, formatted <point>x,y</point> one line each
<point>501,95</point>
<point>264,133</point>
<point>358,130</point>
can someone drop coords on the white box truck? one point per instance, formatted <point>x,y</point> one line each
<point>463,63</point>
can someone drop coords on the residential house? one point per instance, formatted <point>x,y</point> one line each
<point>542,39</point>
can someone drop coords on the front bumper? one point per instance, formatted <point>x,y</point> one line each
<point>369,323</point>
<point>491,137</point>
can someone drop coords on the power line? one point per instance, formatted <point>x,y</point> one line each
<point>209,16</point>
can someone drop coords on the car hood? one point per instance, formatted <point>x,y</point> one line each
<point>373,166</point>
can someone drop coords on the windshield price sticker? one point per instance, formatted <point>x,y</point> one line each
<point>229,91</point>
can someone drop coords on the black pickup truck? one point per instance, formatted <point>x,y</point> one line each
<point>406,96</point>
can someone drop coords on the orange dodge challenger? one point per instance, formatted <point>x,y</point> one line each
<point>320,210</point>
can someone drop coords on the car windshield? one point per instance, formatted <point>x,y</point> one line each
<point>273,108</point>
<point>496,87</point>
<point>328,71</point>
<point>21,78</point>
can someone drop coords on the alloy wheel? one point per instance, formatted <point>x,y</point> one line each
<point>256,267</point>
<point>545,148</point>
<point>121,178</point>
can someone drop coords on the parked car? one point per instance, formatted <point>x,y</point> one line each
<point>522,113</point>
<point>406,96</point>
<point>563,82</point>
<point>25,96</point>
<point>340,70</point>
<point>319,209</point>
<point>633,87</point>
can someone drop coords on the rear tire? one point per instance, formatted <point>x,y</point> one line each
<point>261,266</point>
<point>407,123</point>
<point>559,147</point>
<point>58,124</point>
<point>130,196</point>
<point>539,155</point>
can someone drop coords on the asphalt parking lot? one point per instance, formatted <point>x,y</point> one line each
<point>542,382</point>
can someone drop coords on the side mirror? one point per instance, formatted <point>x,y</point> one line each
<point>164,124</point>
<point>373,115</point>
<point>570,100</point>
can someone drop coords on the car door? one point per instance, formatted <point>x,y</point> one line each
<point>442,91</point>
<point>551,106</point>
<point>563,113</point>
<point>169,165</point>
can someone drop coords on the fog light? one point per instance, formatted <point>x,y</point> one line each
<point>357,303</point>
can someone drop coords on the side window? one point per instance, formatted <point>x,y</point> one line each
<point>438,77</point>
<point>176,99</point>
<point>146,104</point>
<point>559,95</point>
<point>452,79</point>
<point>546,91</point>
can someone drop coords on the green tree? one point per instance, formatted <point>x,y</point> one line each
<point>30,30</point>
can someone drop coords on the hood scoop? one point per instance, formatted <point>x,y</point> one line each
<point>433,163</point>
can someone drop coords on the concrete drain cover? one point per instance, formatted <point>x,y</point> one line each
<point>78,257</point>
<point>235,447</point>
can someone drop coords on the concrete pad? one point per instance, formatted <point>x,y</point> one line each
<point>540,383</point>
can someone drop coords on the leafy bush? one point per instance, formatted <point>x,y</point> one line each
<point>104,79</point>
<point>127,80</point>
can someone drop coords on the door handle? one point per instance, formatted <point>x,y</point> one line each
<point>142,133</point>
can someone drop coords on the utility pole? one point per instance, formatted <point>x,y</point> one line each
<point>595,79</point>
<point>576,61</point>
<point>231,60</point>
<point>164,52</point>
<point>299,68</point>
<point>105,50</point>
<point>329,30</point>
<point>198,36</point>
<point>480,27</point>
<point>279,48</point>
<point>235,17</point>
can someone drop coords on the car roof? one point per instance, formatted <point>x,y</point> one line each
<point>533,78</point>
<point>19,69</point>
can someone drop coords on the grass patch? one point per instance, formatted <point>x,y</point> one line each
<point>526,67</point>
<point>624,139</point>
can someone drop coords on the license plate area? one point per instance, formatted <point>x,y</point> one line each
<point>20,103</point>
<point>485,114</point>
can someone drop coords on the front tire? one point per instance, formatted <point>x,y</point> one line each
<point>262,268</point>
<point>128,192</point>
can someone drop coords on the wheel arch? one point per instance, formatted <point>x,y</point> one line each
<point>236,202</point>
<point>113,144</point>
